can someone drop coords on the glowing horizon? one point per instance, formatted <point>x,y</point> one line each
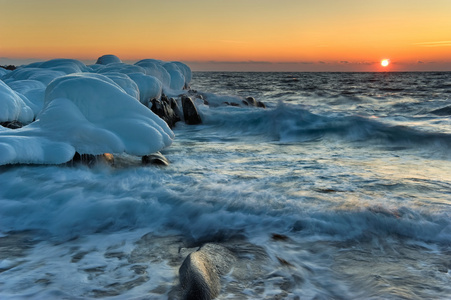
<point>245,35</point>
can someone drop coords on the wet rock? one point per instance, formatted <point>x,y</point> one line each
<point>167,109</point>
<point>444,111</point>
<point>231,104</point>
<point>155,159</point>
<point>261,104</point>
<point>250,101</point>
<point>201,271</point>
<point>90,159</point>
<point>11,124</point>
<point>190,113</point>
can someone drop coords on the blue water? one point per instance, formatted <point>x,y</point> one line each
<point>339,189</point>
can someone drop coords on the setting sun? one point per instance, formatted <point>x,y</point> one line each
<point>385,62</point>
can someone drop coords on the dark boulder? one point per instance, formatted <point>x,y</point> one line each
<point>11,124</point>
<point>250,101</point>
<point>261,104</point>
<point>190,113</point>
<point>167,109</point>
<point>155,159</point>
<point>201,271</point>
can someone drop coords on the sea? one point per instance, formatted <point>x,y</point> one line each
<point>339,189</point>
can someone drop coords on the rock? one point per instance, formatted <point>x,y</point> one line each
<point>231,103</point>
<point>9,67</point>
<point>11,124</point>
<point>155,159</point>
<point>444,111</point>
<point>167,109</point>
<point>252,102</point>
<point>261,104</point>
<point>90,159</point>
<point>201,270</point>
<point>190,113</point>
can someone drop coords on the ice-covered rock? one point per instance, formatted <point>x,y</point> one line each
<point>33,91</point>
<point>13,106</point>
<point>108,59</point>
<point>125,82</point>
<point>186,71</point>
<point>149,87</point>
<point>177,77</point>
<point>121,68</point>
<point>43,75</point>
<point>65,65</point>
<point>154,68</point>
<point>4,71</point>
<point>88,114</point>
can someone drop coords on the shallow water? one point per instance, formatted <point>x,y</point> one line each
<point>339,189</point>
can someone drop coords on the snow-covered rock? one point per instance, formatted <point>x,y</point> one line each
<point>86,113</point>
<point>108,59</point>
<point>149,87</point>
<point>13,106</point>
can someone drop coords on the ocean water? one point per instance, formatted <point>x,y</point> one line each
<point>339,189</point>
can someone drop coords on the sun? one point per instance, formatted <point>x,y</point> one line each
<point>385,62</point>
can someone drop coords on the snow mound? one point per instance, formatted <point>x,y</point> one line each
<point>177,77</point>
<point>67,66</point>
<point>4,72</point>
<point>149,87</point>
<point>43,75</point>
<point>13,106</point>
<point>154,68</point>
<point>121,68</point>
<point>33,92</point>
<point>87,113</point>
<point>108,59</point>
<point>125,82</point>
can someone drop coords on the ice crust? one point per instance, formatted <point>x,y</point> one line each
<point>69,107</point>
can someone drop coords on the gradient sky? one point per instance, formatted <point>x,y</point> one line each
<point>290,35</point>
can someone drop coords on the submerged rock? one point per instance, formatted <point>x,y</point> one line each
<point>190,113</point>
<point>201,270</point>
<point>444,111</point>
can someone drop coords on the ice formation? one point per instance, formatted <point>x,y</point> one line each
<point>70,107</point>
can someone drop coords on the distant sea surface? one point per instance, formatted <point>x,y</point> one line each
<point>339,189</point>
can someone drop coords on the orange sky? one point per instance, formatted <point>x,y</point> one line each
<point>292,35</point>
